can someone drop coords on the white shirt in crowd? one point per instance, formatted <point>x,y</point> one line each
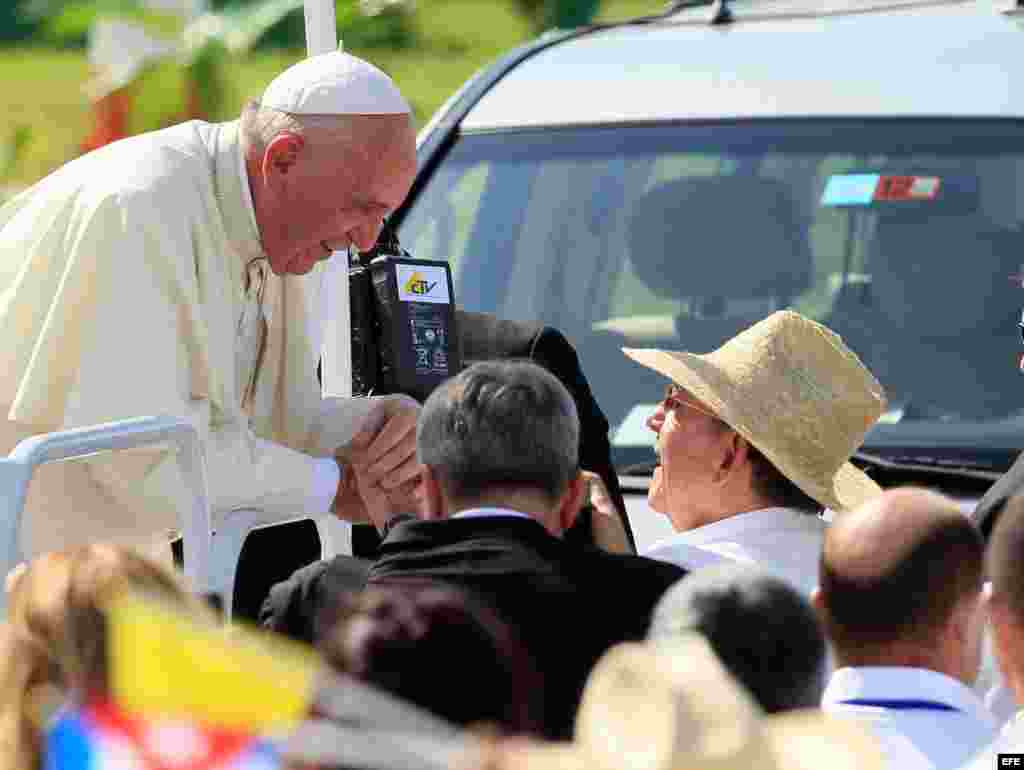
<point>924,720</point>
<point>782,541</point>
<point>1010,741</point>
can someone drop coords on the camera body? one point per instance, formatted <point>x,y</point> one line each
<point>403,322</point>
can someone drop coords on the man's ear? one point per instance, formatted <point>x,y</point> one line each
<point>970,614</point>
<point>574,498</point>
<point>280,156</point>
<point>434,505</point>
<point>734,455</point>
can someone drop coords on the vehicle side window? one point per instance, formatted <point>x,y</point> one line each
<point>443,226</point>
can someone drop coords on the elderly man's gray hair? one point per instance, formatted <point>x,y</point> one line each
<point>500,424</point>
<point>260,125</point>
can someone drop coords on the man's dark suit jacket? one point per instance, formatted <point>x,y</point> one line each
<point>567,603</point>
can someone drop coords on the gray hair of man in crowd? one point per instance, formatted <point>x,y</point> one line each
<point>496,428</point>
<point>763,630</point>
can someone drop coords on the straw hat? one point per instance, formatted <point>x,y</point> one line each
<point>673,706</point>
<point>792,389</point>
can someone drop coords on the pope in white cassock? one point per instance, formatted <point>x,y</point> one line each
<point>179,272</point>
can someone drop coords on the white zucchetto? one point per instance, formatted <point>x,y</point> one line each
<point>334,83</point>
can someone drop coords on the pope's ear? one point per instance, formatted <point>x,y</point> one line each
<point>280,155</point>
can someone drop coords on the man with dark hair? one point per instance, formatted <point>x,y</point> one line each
<point>406,640</point>
<point>901,599</point>
<point>754,442</point>
<point>501,484</point>
<point>782,663</point>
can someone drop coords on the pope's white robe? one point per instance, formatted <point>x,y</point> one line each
<point>121,288</point>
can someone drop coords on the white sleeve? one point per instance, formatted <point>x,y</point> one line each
<point>326,477</point>
<point>135,360</point>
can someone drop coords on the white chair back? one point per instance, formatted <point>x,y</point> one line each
<point>17,468</point>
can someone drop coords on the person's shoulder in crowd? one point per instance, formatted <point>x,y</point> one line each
<point>784,541</point>
<point>295,607</point>
<point>445,549</point>
<point>610,566</point>
<point>507,554</point>
<point>578,562</point>
<point>994,500</point>
<point>624,585</point>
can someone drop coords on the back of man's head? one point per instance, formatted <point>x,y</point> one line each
<point>440,649</point>
<point>500,425</point>
<point>897,575</point>
<point>763,630</point>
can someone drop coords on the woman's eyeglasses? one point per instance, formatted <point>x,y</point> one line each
<point>675,397</point>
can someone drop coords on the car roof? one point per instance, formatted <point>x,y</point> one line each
<point>787,58</point>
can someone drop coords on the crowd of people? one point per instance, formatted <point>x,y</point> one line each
<point>482,634</point>
<point>479,638</point>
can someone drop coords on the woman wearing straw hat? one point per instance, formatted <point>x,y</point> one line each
<point>754,442</point>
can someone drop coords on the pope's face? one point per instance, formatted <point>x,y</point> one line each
<point>689,445</point>
<point>336,193</point>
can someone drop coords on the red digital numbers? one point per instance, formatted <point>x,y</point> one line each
<point>906,188</point>
<point>894,188</point>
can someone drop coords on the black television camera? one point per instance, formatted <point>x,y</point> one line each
<point>404,335</point>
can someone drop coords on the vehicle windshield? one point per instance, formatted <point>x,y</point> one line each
<point>901,235</point>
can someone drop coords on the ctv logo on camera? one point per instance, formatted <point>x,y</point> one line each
<point>417,284</point>
<point>1015,761</point>
<point>422,283</point>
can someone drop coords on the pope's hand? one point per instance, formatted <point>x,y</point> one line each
<point>380,474</point>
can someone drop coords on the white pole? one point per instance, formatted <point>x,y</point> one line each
<point>333,310</point>
<point>321,27</point>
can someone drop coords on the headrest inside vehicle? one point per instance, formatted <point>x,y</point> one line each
<point>720,237</point>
